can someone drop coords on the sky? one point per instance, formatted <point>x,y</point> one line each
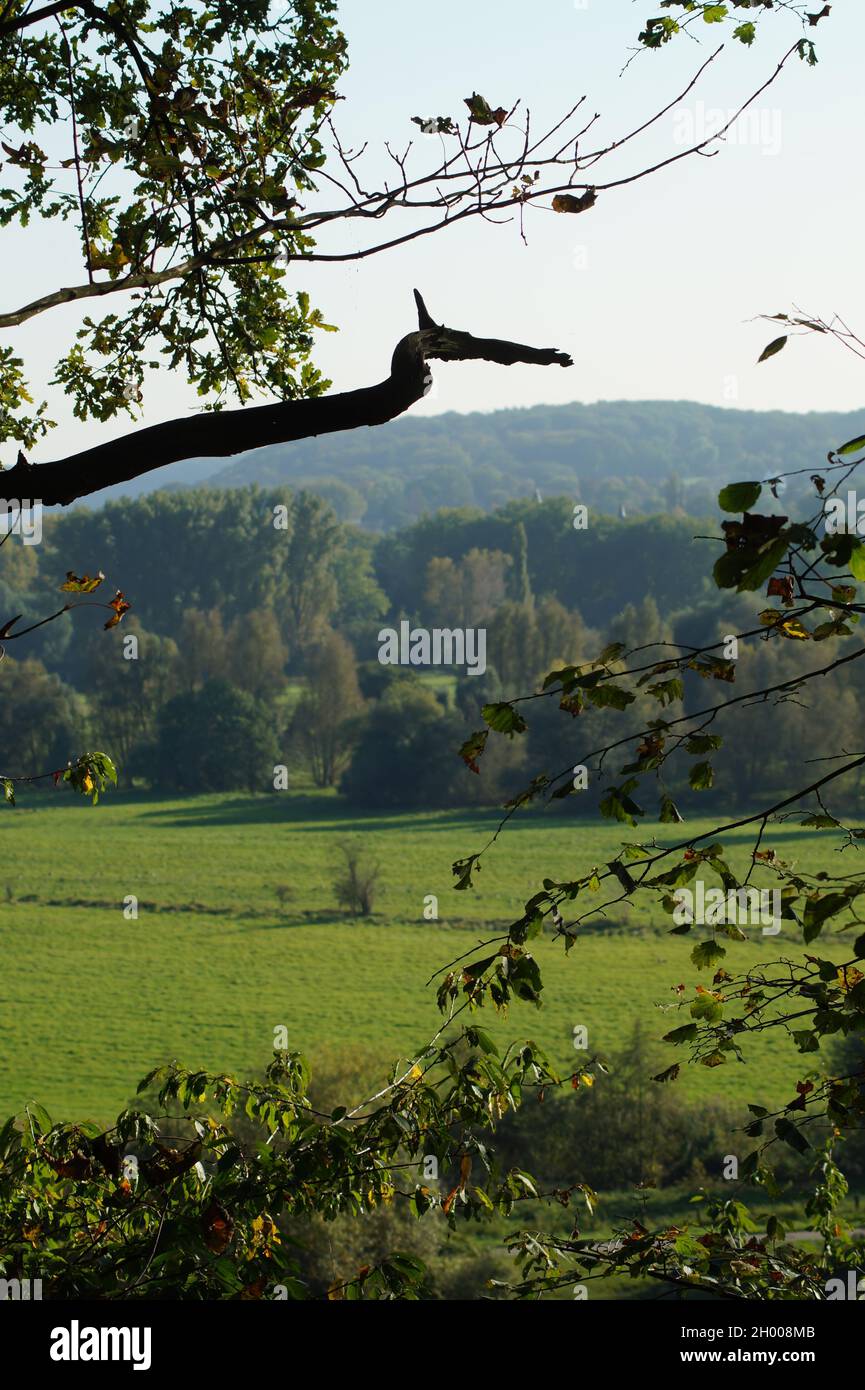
<point>655,292</point>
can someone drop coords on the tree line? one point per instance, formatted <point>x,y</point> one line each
<point>249,659</point>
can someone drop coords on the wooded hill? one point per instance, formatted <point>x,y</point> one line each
<point>645,456</point>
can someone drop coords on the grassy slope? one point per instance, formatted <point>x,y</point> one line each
<point>89,1001</point>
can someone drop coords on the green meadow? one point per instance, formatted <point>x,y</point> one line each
<point>239,933</point>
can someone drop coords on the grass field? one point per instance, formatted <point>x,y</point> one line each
<point>89,1000</point>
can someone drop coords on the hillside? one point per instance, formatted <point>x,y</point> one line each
<point>643,456</point>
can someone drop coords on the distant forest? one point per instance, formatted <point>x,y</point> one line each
<point>642,456</point>
<point>256,616</point>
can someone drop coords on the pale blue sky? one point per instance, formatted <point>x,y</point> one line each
<point>653,290</point>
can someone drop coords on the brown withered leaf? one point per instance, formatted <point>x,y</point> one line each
<point>120,606</point>
<point>572,704</point>
<point>566,202</point>
<point>311,96</point>
<point>255,1290</point>
<point>77,1167</point>
<point>716,669</point>
<point>107,1154</point>
<point>218,1228</point>
<point>652,745</point>
<point>473,748</point>
<point>166,1163</point>
<point>449,1200</point>
<point>752,531</point>
<point>781,587</point>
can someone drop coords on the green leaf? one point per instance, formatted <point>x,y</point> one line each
<point>617,805</point>
<point>786,1130</point>
<point>739,497</point>
<point>688,1033</point>
<point>478,1037</point>
<point>610,697</point>
<point>857,560</point>
<point>819,910</point>
<point>703,743</point>
<point>504,719</point>
<point>689,1248</point>
<point>704,956</point>
<point>852,446</point>
<point>668,691</point>
<point>563,675</point>
<point>768,562</point>
<point>669,813</point>
<point>705,1008</point>
<point>702,777</point>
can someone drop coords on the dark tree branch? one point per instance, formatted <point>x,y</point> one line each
<point>145,279</point>
<point>30,17</point>
<point>221,434</point>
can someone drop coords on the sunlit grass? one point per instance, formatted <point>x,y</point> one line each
<point>238,933</point>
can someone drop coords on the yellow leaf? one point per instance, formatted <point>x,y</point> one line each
<point>788,627</point>
<point>83,585</point>
<point>848,978</point>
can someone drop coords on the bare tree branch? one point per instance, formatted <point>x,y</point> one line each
<point>476,180</point>
<point>220,434</point>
